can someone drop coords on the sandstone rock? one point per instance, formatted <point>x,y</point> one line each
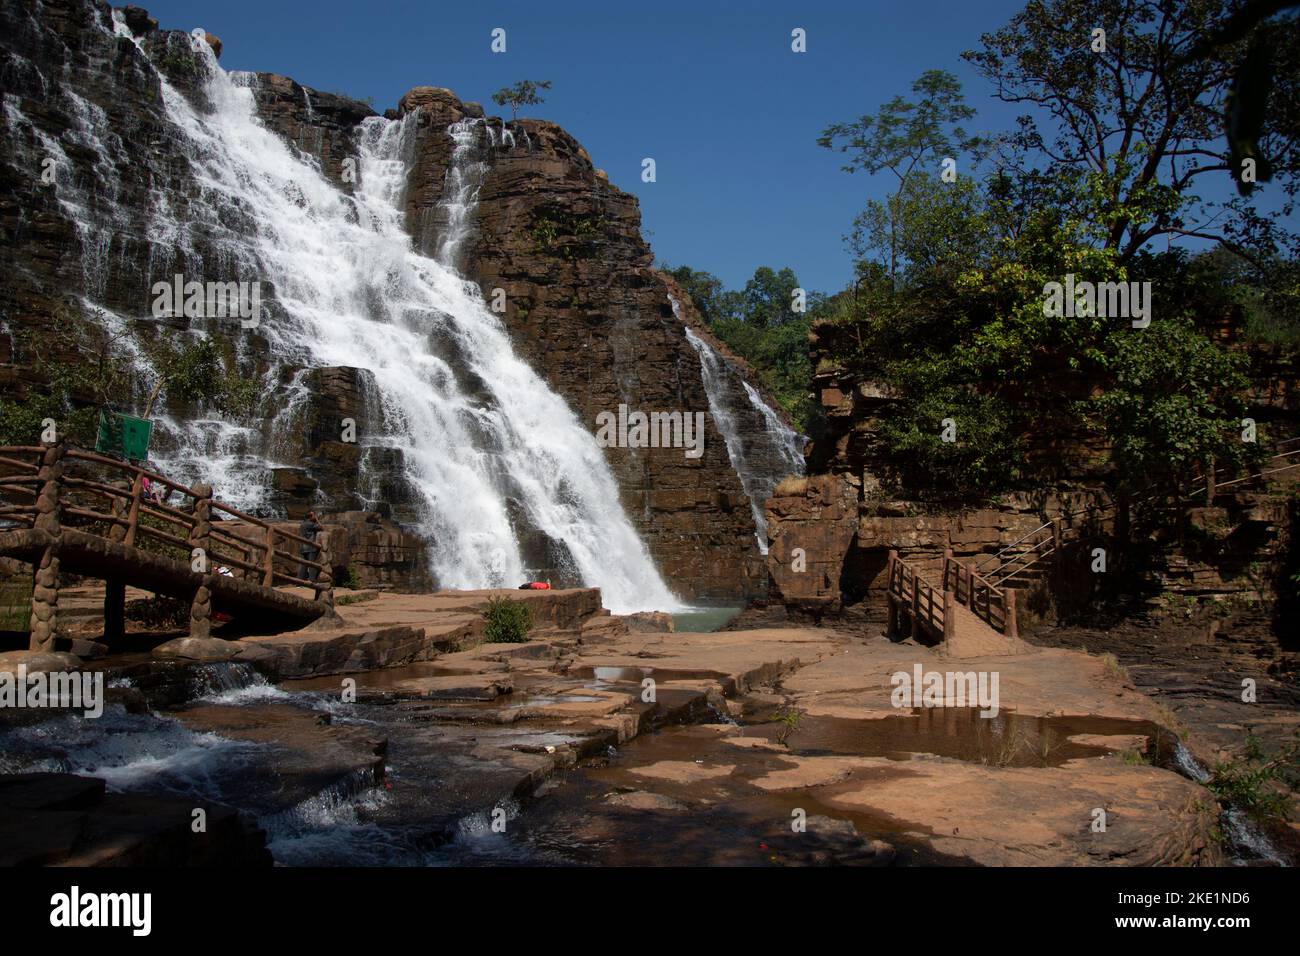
<point>88,650</point>
<point>818,519</point>
<point>138,20</point>
<point>206,649</point>
<point>36,661</point>
<point>650,621</point>
<point>643,800</point>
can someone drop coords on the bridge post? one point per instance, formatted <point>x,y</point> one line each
<point>325,580</point>
<point>200,531</point>
<point>1013,629</point>
<point>1209,482</point>
<point>916,606</point>
<point>201,611</point>
<point>133,512</point>
<point>949,614</point>
<point>268,560</point>
<point>45,589</point>
<point>891,627</point>
<point>202,527</point>
<point>115,587</point>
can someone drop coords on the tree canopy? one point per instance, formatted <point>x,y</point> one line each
<point>523,93</point>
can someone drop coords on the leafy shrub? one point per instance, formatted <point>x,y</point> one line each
<point>508,621</point>
<point>1260,785</point>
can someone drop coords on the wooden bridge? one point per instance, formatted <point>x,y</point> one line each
<point>925,610</point>
<point>67,511</point>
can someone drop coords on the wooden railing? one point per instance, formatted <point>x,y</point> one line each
<point>107,497</point>
<point>915,597</point>
<point>994,605</point>
<point>928,607</point>
<point>1048,537</point>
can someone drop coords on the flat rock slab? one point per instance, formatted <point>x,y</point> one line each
<point>455,687</point>
<point>206,649</point>
<point>38,661</point>
<point>1040,816</point>
<point>746,657</point>
<point>342,651</point>
<point>563,609</point>
<point>856,682</point>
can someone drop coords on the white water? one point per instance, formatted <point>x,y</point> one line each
<point>757,485</point>
<point>350,290</point>
<point>788,441</point>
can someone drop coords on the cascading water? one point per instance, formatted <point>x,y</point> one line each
<point>758,482</point>
<point>788,442</point>
<point>484,441</point>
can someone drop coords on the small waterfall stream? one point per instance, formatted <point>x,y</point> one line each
<point>771,453</point>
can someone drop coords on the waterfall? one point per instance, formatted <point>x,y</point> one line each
<point>484,441</point>
<point>759,468</point>
<point>788,442</point>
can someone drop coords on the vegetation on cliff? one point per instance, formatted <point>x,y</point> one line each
<point>1122,143</point>
<point>83,368</point>
<point>761,324</point>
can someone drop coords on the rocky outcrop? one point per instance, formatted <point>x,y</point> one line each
<point>1232,551</point>
<point>588,311</point>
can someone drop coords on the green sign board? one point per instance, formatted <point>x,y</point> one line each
<point>124,436</point>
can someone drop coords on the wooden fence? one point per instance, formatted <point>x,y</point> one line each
<point>60,487</point>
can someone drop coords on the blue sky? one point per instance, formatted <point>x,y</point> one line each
<point>710,90</point>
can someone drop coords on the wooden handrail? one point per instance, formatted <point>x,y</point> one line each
<point>1007,568</point>
<point>130,506</point>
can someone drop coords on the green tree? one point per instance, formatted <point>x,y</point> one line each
<point>904,138</point>
<point>1123,136</point>
<point>769,298</point>
<point>523,93</point>
<point>708,294</point>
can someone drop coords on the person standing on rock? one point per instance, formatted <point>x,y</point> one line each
<point>309,528</point>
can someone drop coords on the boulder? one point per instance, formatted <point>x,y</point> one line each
<point>650,622</point>
<point>207,649</point>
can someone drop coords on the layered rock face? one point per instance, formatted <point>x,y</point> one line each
<point>559,249</point>
<point>579,296</point>
<point>1233,550</point>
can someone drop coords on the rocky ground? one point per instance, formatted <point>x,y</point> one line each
<point>399,736</point>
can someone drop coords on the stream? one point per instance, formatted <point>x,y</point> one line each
<point>300,761</point>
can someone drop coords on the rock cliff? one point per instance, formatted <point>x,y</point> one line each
<point>578,291</point>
